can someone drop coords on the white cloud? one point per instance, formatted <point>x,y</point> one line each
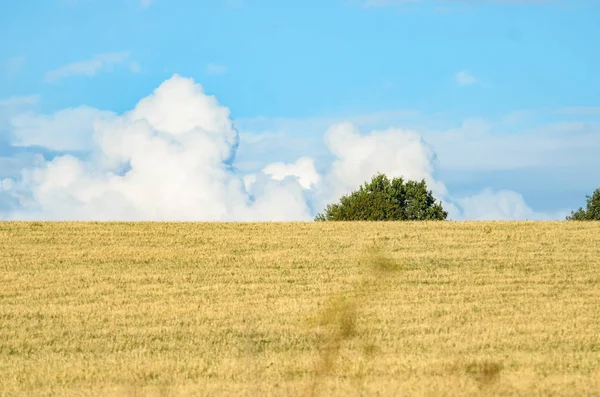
<point>465,78</point>
<point>13,165</point>
<point>90,67</point>
<point>6,184</point>
<point>145,3</point>
<point>303,170</point>
<point>216,69</point>
<point>501,205</point>
<point>478,144</point>
<point>394,152</point>
<point>516,147</point>
<point>10,107</point>
<point>176,147</point>
<point>172,158</point>
<point>68,129</point>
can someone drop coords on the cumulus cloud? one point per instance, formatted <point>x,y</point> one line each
<point>66,130</point>
<point>6,184</point>
<point>10,107</point>
<point>501,205</point>
<point>493,148</point>
<point>394,152</point>
<point>496,205</point>
<point>91,67</point>
<point>303,170</point>
<point>172,157</point>
<point>12,165</point>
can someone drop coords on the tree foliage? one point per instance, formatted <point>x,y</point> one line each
<point>592,210</point>
<point>385,200</point>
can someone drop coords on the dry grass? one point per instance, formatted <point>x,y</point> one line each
<point>316,309</point>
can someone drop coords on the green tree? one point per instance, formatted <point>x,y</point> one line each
<point>385,200</point>
<point>592,210</point>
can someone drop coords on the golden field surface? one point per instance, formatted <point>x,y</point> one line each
<point>300,309</point>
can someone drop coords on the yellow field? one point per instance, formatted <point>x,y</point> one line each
<point>299,309</point>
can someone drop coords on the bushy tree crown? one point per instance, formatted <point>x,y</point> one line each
<point>385,200</point>
<point>592,210</point>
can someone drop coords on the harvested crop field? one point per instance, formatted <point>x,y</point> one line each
<point>300,309</point>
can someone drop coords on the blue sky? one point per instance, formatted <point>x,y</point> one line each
<point>505,93</point>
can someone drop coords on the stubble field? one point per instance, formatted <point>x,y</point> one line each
<point>299,309</point>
